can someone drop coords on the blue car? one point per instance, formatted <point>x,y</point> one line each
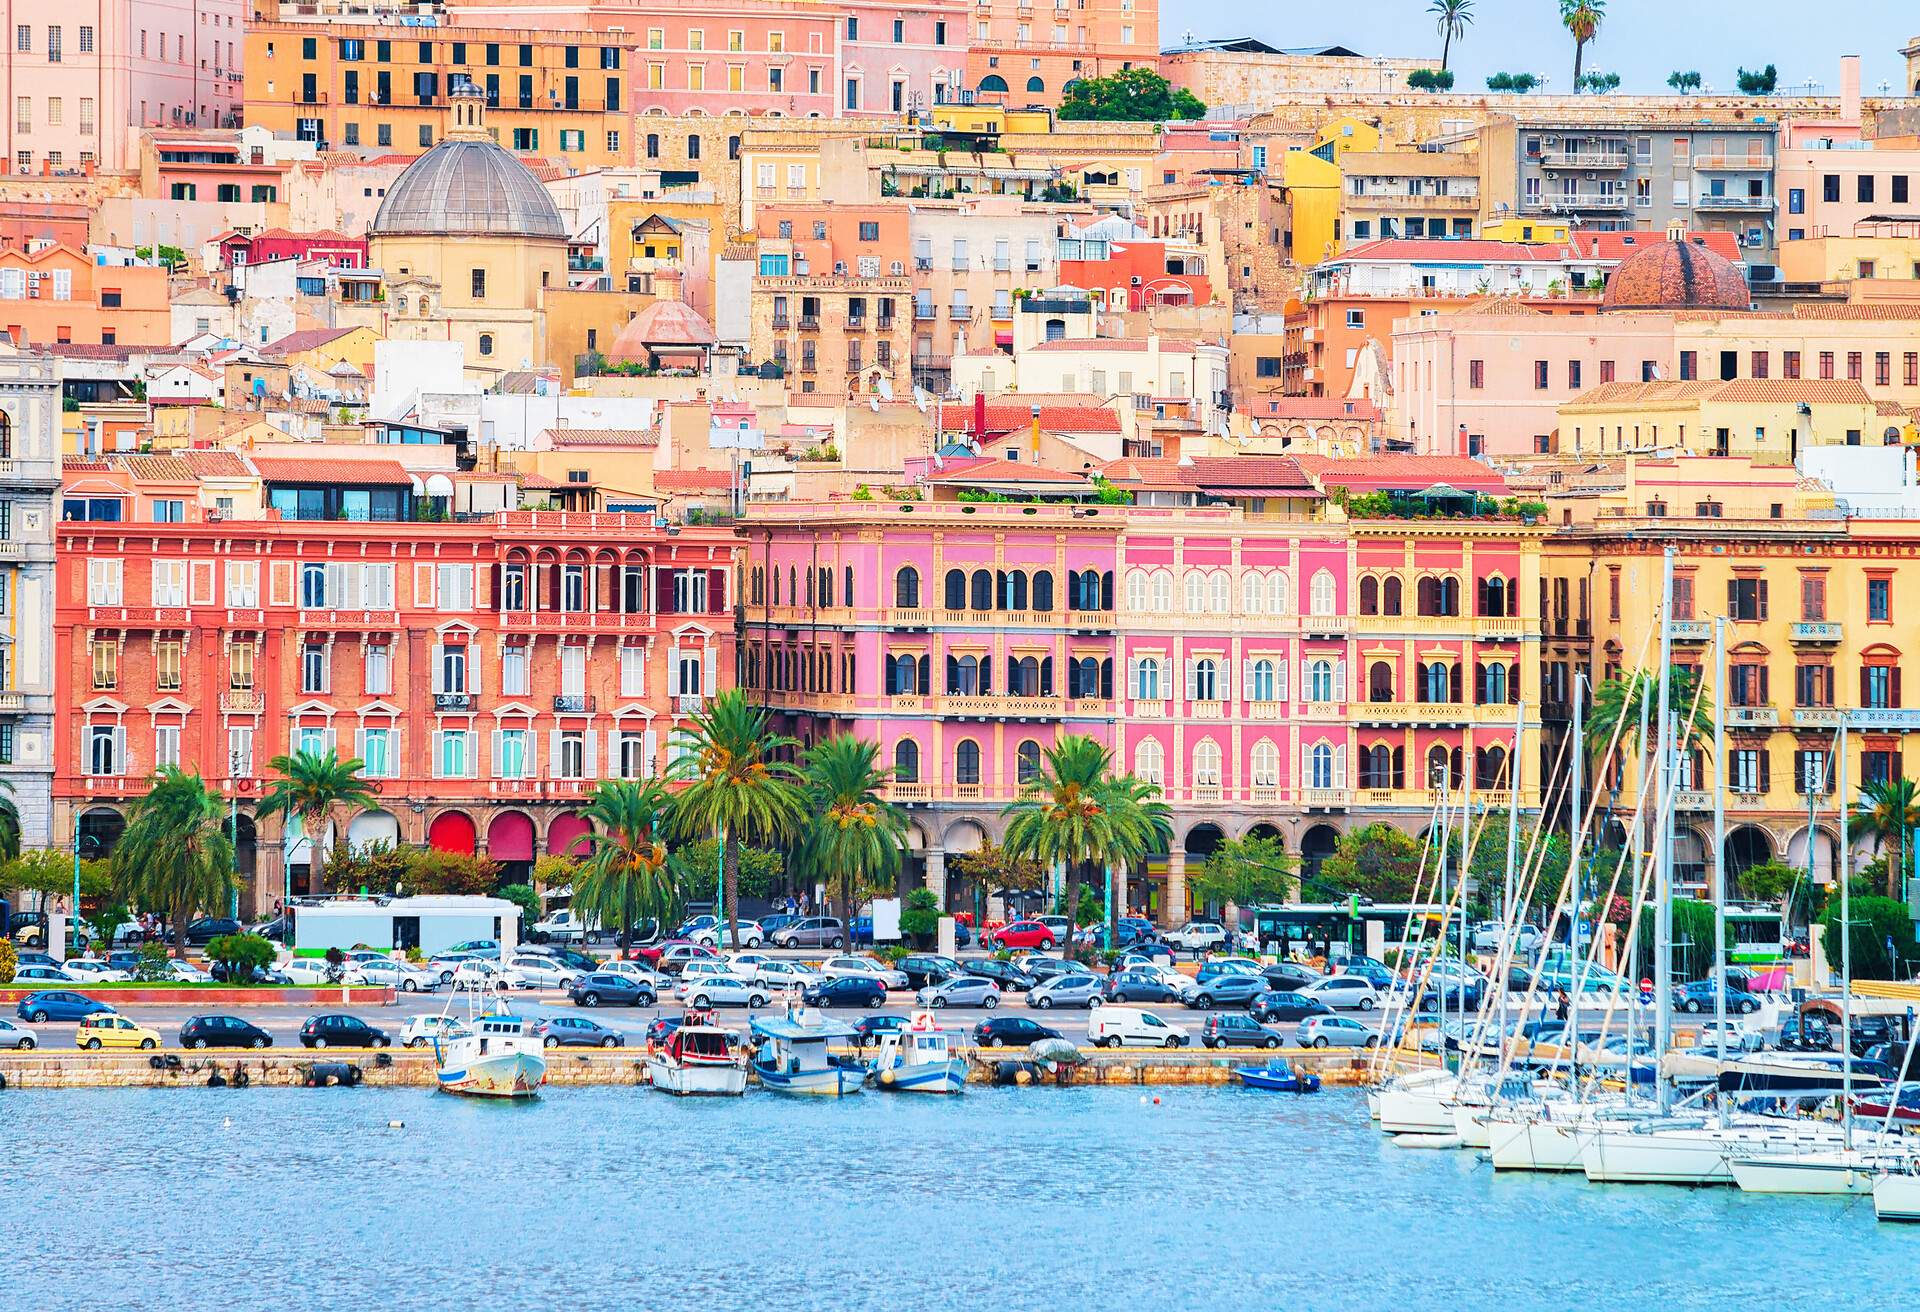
<point>58,1004</point>
<point>1371,971</point>
<point>1699,995</point>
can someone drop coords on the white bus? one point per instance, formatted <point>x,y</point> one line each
<point>430,923</point>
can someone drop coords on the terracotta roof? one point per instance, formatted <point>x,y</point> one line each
<point>216,464</point>
<point>1677,275</point>
<point>1429,250</point>
<point>306,469</point>
<point>1642,393</point>
<point>1815,310</point>
<point>572,439</point>
<point>1146,474</point>
<point>1499,307</point>
<point>1281,475</point>
<point>76,465</point>
<point>1619,245</point>
<point>691,480</point>
<point>1002,471</point>
<point>160,469</point>
<point>1168,345</point>
<point>1320,407</point>
<point>541,483</point>
<point>1405,473</point>
<point>1009,417</point>
<point>306,339</point>
<point>1826,391</point>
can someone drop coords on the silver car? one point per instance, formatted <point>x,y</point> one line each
<point>812,932</point>
<point>14,1036</point>
<point>961,991</point>
<point>1335,1032</point>
<point>1068,991</point>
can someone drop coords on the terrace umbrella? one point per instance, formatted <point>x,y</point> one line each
<point>1446,492</point>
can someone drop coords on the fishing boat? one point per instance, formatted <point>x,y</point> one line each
<point>495,1055</point>
<point>792,1056</point>
<point>919,1058</point>
<point>699,1059</point>
<point>1278,1077</point>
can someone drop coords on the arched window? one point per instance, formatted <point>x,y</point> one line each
<point>1426,596</point>
<point>906,761</point>
<point>1266,764</point>
<point>1036,85</point>
<point>993,82</point>
<point>486,343</point>
<point>1083,677</point>
<point>1253,593</point>
<point>1320,766</point>
<point>956,590</point>
<point>1494,683</point>
<point>1026,762</point>
<point>903,676</point>
<point>1043,591</point>
<point>1369,595</point>
<point>1263,681</point>
<point>963,676</point>
<point>1023,676</point>
<point>1146,679</point>
<point>1221,588</point>
<point>1390,597</point>
<point>1380,682</point>
<point>982,589</point>
<point>1206,764</point>
<point>1163,591</point>
<point>906,588</point>
<point>1490,768</point>
<point>1320,681</point>
<point>1280,593</point>
<point>1449,594</point>
<point>1443,766</point>
<point>1493,596</point>
<point>1323,593</point>
<point>1137,589</point>
<point>1012,586</point>
<point>1150,761</point>
<point>1206,681</point>
<point>966,762</point>
<point>1436,682</point>
<point>1196,592</point>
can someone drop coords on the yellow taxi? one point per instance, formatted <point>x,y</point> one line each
<point>107,1030</point>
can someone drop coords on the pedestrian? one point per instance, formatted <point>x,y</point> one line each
<point>1561,1007</point>
<point>790,904</point>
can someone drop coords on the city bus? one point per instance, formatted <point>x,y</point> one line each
<point>1340,929</point>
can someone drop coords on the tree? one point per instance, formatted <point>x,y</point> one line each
<point>1078,815</point>
<point>49,871</point>
<point>1429,79</point>
<point>464,874</point>
<point>1692,939</point>
<point>1759,82</point>
<point>992,868</point>
<point>175,856</point>
<point>1889,809</point>
<point>763,871</point>
<point>1599,83</point>
<point>377,867</point>
<point>9,961</point>
<point>1489,865</point>
<point>1451,19</point>
<point>522,896</point>
<point>854,835</point>
<point>1875,922</point>
<point>1582,19</point>
<point>628,875</point>
<point>315,786</point>
<point>1378,862</point>
<point>1519,83</point>
<point>738,786</point>
<point>1132,95</point>
<point>1684,82</point>
<point>920,918</point>
<point>241,954</point>
<point>1618,700</point>
<point>1783,885</point>
<point>1247,872</point>
<point>9,823</point>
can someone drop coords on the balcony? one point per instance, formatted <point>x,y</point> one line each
<point>1090,619</point>
<point>1150,710</point>
<point>689,704</point>
<point>809,323</point>
<point>1753,717</point>
<point>856,323</point>
<point>12,703</point>
<point>909,792</point>
<point>1691,630</point>
<point>243,702</point>
<point>960,313</point>
<point>923,313</point>
<point>1266,710</point>
<point>1205,793</point>
<point>1585,159</point>
<point>1399,202</point>
<point>453,701</point>
<point>1208,710</point>
<point>572,621</point>
<point>1856,717</point>
<point>574,703</point>
<point>782,322</point>
<point>1324,799</point>
<point>1686,799</point>
<point>1583,200</point>
<point>1719,163</point>
<point>1742,203</point>
<point>1814,631</point>
<point>1003,708</point>
<point>350,619</point>
<point>1326,626</point>
<point>13,551</point>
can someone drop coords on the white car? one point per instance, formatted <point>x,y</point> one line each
<point>420,1031</point>
<point>400,975</point>
<point>45,975</point>
<point>1199,935</point>
<point>312,970</point>
<point>89,971</point>
<point>751,935</point>
<point>1134,1027</point>
<point>721,991</point>
<point>1180,983</point>
<point>478,974</point>
<point>1342,992</point>
<point>709,967</point>
<point>785,974</point>
<point>186,972</point>
<point>544,972</point>
<point>864,968</point>
<point>744,964</point>
<point>639,974</point>
<point>564,927</point>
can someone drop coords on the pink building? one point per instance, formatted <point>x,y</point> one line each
<point>78,85</point>
<point>1271,675</point>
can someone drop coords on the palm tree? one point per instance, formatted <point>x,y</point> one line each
<point>1618,700</point>
<point>1078,815</point>
<point>1582,18</point>
<point>854,835</point>
<point>175,855</point>
<point>1451,18</point>
<point>1889,810</point>
<point>737,784</point>
<point>627,876</point>
<point>314,786</point>
<point>10,824</point>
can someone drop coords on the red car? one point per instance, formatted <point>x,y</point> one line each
<point>1022,934</point>
<point>652,952</point>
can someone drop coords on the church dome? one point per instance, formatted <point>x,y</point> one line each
<point>1677,274</point>
<point>467,186</point>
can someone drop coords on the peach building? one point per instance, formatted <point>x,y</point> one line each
<point>1028,52</point>
<point>56,294</point>
<point>77,85</point>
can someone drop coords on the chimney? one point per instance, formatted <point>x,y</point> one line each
<point>979,416</point>
<point>1035,438</point>
<point>666,285</point>
<point>1850,88</point>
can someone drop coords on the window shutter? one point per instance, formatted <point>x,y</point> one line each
<point>1306,766</point>
<point>1106,678</point>
<point>711,664</point>
<point>438,755</point>
<point>1340,681</point>
<point>986,678</point>
<point>439,664</point>
<point>663,591</point>
<point>1864,671</point>
<point>926,674</point>
<point>553,748</point>
<point>717,591</point>
<point>1733,598</point>
<point>1280,679</point>
<point>360,743</point>
<point>673,670</point>
<point>649,747</point>
<point>1133,676</point>
<point>1340,766</point>
<point>589,742</point>
<point>1225,690</point>
<point>1046,676</point>
<point>121,765</point>
<point>1763,598</point>
<point>1893,688</point>
<point>1764,695</point>
<point>499,758</point>
<point>331,740</point>
<point>1765,773</point>
<point>1187,678</point>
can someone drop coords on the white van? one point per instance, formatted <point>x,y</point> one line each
<point>1110,1027</point>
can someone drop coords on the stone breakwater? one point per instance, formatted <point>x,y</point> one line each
<point>402,1068</point>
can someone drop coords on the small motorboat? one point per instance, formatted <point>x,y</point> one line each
<point>1278,1077</point>
<point>793,1058</point>
<point>919,1058</point>
<point>494,1054</point>
<point>699,1058</point>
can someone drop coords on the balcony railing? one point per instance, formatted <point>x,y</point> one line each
<point>1576,201</point>
<point>1735,202</point>
<point>1759,717</point>
<point>809,323</point>
<point>1585,159</point>
<point>1324,798</point>
<point>689,703</point>
<point>243,702</point>
<point>453,701</point>
<point>1814,631</point>
<point>574,703</point>
<point>1692,630</point>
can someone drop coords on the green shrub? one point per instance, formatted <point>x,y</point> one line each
<point>920,919</point>
<point>241,954</point>
<point>9,961</point>
<point>151,968</point>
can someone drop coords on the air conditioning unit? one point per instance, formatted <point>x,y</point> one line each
<point>1134,281</point>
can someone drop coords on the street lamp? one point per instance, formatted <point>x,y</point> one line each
<point>79,840</point>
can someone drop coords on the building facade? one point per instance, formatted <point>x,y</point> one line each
<point>29,402</point>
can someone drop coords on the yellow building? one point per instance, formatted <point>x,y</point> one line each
<point>469,243</point>
<point>1766,419</point>
<point>1850,259</point>
<point>320,349</point>
<point>1550,231</point>
<point>1315,184</point>
<point>376,86</point>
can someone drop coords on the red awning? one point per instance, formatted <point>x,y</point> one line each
<point>451,831</point>
<point>563,833</point>
<point>510,837</point>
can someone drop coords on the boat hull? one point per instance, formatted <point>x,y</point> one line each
<point>1897,1197</point>
<point>1828,1173</point>
<point>833,1082</point>
<point>699,1080</point>
<point>1473,1125</point>
<point>1536,1145</point>
<point>497,1075</point>
<point>1425,1109</point>
<point>948,1076</point>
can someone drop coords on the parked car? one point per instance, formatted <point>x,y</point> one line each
<point>721,935</point>
<point>223,1032</point>
<point>961,991</point>
<point>90,970</point>
<point>1183,985</point>
<point>1702,995</point>
<point>638,974</point>
<point>1335,1032</point>
<point>1008,976</point>
<point>317,970</point>
<point>1450,996</point>
<point>338,1030</point>
<point>44,975</point>
<point>1060,926</point>
<point>869,1030</point>
<point>542,972</point>
<point>722,991</point>
<point>844,991</point>
<point>58,1004</point>
<point>745,964</point>
<point>185,972</point>
<point>1343,991</point>
<point>394,974</point>
<point>565,927</point>
<point>576,1032</point>
<point>1286,1005</point>
<point>479,972</point>
<point>660,1029</point>
<point>812,932</point>
<point>864,968</point>
<point>1808,1033</point>
<point>112,1030</point>
<point>1139,985</point>
<point>612,988</point>
<point>208,928</point>
<point>1081,990</point>
<point>15,1036</point>
<point>1212,970</point>
<point>924,968</point>
<point>1488,934</point>
<point>491,945</point>
<point>1113,1027</point>
<point>786,974</point>
<point>1043,968</point>
<point>773,924</point>
<point>1199,935</point>
<point>422,1030</point>
<point>1232,1030</point>
<point>1011,1032</point>
<point>1382,979</point>
<point>1293,975</point>
<point>580,963</point>
<point>1227,991</point>
<point>675,958</point>
<point>1020,934</point>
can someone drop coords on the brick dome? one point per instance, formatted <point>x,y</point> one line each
<point>1677,274</point>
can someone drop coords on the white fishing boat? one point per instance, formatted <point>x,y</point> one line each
<point>699,1059</point>
<point>1896,1196</point>
<point>494,1054</point>
<point>920,1058</point>
<point>792,1056</point>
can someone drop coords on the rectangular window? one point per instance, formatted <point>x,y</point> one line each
<point>166,746</point>
<point>1880,600</point>
<point>376,753</point>
<point>1540,381</point>
<point>103,749</point>
<point>379,671</point>
<point>456,587</point>
<point>1790,364</point>
<point>169,582</point>
<point>450,675</point>
<point>240,665</point>
<point>572,762</point>
<point>513,672</point>
<point>452,759</point>
<point>1749,774</point>
<point>1476,374</point>
<point>166,665</point>
<point>1747,598</point>
<point>479,284</point>
<point>313,667</point>
<point>105,654</point>
<point>1880,687</point>
<point>240,750</point>
<point>1813,597</point>
<point>633,672</point>
<point>511,759</point>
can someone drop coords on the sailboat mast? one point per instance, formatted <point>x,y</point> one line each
<point>1846,950</point>
<point>1507,909</point>
<point>1720,848</point>
<point>1663,836</point>
<point>1643,837</point>
<point>1571,1039</point>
